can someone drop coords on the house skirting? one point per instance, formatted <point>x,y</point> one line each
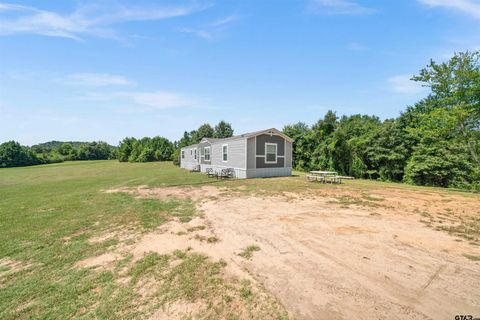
<point>268,172</point>
<point>241,173</point>
<point>188,165</point>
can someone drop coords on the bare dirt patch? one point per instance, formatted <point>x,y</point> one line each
<point>9,266</point>
<point>103,260</point>
<point>192,193</point>
<point>178,310</point>
<point>333,252</point>
<point>325,259</point>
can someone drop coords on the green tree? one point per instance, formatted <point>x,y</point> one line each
<point>455,85</point>
<point>12,154</point>
<point>95,151</point>
<point>65,149</point>
<point>223,130</point>
<point>302,146</point>
<point>186,140</point>
<point>204,131</point>
<point>388,150</point>
<point>147,155</point>
<point>162,147</point>
<point>125,149</point>
<point>440,164</point>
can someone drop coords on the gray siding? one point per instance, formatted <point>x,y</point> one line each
<point>261,163</point>
<point>236,154</point>
<point>264,138</point>
<point>189,161</point>
<point>288,154</point>
<point>251,153</point>
<point>260,148</point>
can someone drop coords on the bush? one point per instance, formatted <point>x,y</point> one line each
<point>442,164</point>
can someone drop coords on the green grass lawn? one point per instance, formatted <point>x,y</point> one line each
<point>48,214</point>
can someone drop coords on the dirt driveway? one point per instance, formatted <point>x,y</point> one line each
<point>341,253</point>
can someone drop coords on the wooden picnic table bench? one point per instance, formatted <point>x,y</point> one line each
<point>324,176</point>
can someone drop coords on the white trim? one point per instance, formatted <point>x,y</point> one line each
<point>223,159</point>
<point>209,153</point>
<point>272,132</point>
<point>276,152</point>
<point>263,156</point>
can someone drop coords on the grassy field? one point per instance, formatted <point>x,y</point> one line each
<point>49,214</point>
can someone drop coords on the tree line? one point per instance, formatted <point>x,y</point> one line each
<point>12,154</point>
<point>433,143</point>
<point>130,149</point>
<point>161,149</point>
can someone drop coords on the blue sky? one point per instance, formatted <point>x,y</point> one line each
<point>103,70</point>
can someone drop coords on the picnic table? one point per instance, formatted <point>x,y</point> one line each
<point>324,176</point>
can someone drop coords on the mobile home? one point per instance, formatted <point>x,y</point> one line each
<point>266,153</point>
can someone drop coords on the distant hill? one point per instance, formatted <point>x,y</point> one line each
<point>46,147</point>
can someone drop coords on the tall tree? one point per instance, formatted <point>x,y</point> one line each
<point>302,146</point>
<point>223,130</point>
<point>455,85</point>
<point>125,149</point>
<point>204,131</point>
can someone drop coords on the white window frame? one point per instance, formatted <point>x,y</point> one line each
<point>276,152</point>
<point>191,151</point>
<point>195,154</point>
<point>209,154</point>
<point>183,154</point>
<point>223,153</point>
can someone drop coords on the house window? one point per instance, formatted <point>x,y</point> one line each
<point>183,154</point>
<point>195,156</point>
<point>225,153</point>
<point>270,153</point>
<point>191,151</point>
<point>207,153</point>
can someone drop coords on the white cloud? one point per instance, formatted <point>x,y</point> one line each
<point>402,84</point>
<point>93,20</point>
<point>97,79</point>
<point>155,99</point>
<point>225,20</point>
<point>340,7</point>
<point>468,7</point>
